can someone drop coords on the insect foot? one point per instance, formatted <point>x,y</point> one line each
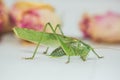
<point>29,58</point>
<point>45,52</point>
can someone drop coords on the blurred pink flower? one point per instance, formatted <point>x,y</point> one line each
<point>34,17</point>
<point>4,19</point>
<point>31,20</point>
<point>105,27</point>
<point>1,25</point>
<point>1,16</point>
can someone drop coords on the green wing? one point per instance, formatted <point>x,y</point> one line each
<point>34,36</point>
<point>58,52</point>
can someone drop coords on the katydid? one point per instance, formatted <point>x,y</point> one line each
<point>65,45</point>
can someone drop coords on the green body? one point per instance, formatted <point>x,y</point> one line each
<point>66,45</point>
<point>48,39</point>
<point>78,48</point>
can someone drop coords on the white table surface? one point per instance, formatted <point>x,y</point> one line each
<point>14,67</point>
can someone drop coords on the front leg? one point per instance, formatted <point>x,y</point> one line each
<point>58,26</point>
<point>30,58</point>
<point>68,61</point>
<point>35,51</point>
<point>46,51</point>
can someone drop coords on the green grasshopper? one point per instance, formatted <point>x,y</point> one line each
<point>65,45</point>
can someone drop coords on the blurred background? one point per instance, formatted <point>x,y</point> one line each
<point>71,11</point>
<point>93,21</point>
